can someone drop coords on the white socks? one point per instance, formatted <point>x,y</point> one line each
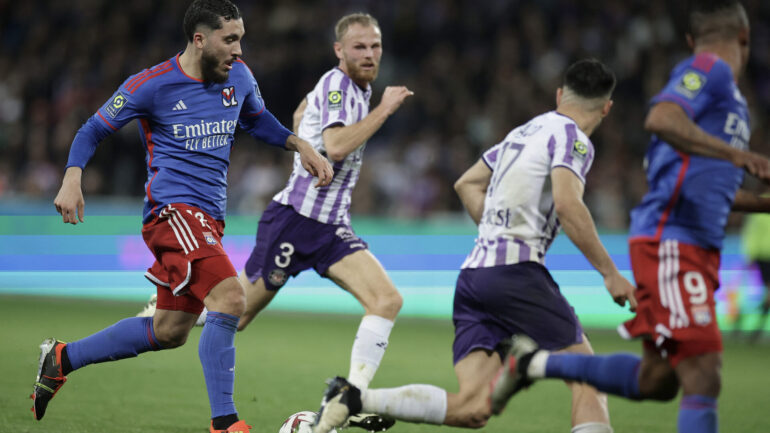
<point>536,367</point>
<point>413,403</point>
<point>201,320</point>
<point>368,350</point>
<point>592,427</point>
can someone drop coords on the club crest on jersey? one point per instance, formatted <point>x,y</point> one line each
<point>228,97</point>
<point>701,314</point>
<point>209,238</point>
<point>334,99</point>
<point>691,84</point>
<point>579,149</point>
<point>117,104</point>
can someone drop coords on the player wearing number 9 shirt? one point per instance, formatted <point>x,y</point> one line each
<point>695,165</point>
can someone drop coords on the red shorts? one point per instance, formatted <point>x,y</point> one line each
<point>189,258</point>
<point>675,291</point>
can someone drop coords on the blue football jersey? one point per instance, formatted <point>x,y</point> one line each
<point>690,196</point>
<point>187,127</point>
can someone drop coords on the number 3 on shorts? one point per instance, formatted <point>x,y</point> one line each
<point>282,260</point>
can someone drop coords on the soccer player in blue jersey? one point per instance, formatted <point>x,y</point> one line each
<point>695,165</point>
<point>187,108</point>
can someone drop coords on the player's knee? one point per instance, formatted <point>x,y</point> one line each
<point>170,337</point>
<point>707,383</point>
<point>659,391</point>
<point>388,304</point>
<point>227,298</point>
<point>394,302</point>
<point>701,375</point>
<point>234,303</point>
<point>658,381</point>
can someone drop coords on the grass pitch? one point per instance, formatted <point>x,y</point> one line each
<point>282,361</point>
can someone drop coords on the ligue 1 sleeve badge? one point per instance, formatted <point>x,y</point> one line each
<point>115,105</point>
<point>334,99</point>
<point>579,149</point>
<point>691,84</point>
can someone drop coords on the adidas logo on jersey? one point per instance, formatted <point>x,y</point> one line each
<point>179,106</point>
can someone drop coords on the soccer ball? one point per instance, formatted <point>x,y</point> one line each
<point>300,422</point>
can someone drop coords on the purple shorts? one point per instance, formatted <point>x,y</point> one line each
<point>288,243</point>
<point>492,304</point>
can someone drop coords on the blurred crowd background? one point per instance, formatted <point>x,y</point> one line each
<point>478,68</point>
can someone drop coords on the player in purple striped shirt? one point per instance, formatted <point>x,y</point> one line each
<point>520,192</point>
<point>306,227</point>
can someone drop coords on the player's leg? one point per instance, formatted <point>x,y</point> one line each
<point>285,245</point>
<point>589,407</point>
<point>469,407</point>
<point>694,348</point>
<point>225,301</point>
<point>363,276</point>
<point>420,403</point>
<point>257,298</point>
<point>125,339</point>
<point>701,383</point>
<point>620,374</point>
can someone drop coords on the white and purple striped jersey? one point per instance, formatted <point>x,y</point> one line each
<point>336,100</point>
<point>519,222</point>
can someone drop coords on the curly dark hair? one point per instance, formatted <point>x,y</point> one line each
<point>207,13</point>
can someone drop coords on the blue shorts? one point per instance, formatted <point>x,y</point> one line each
<point>492,304</point>
<point>288,243</point>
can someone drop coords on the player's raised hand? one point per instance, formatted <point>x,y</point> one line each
<point>393,97</point>
<point>754,163</point>
<point>69,201</point>
<point>621,290</point>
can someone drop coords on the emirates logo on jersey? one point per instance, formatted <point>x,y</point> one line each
<point>228,97</point>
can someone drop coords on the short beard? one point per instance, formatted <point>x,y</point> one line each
<point>209,65</point>
<point>359,75</point>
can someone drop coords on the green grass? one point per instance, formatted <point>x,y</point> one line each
<point>282,362</point>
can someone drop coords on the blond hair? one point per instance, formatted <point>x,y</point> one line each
<point>361,18</point>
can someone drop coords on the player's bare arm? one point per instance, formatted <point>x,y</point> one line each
<point>298,113</point>
<point>312,161</point>
<point>471,187</point>
<point>746,201</point>
<point>69,201</point>
<point>669,121</point>
<point>579,226</point>
<point>340,141</point>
